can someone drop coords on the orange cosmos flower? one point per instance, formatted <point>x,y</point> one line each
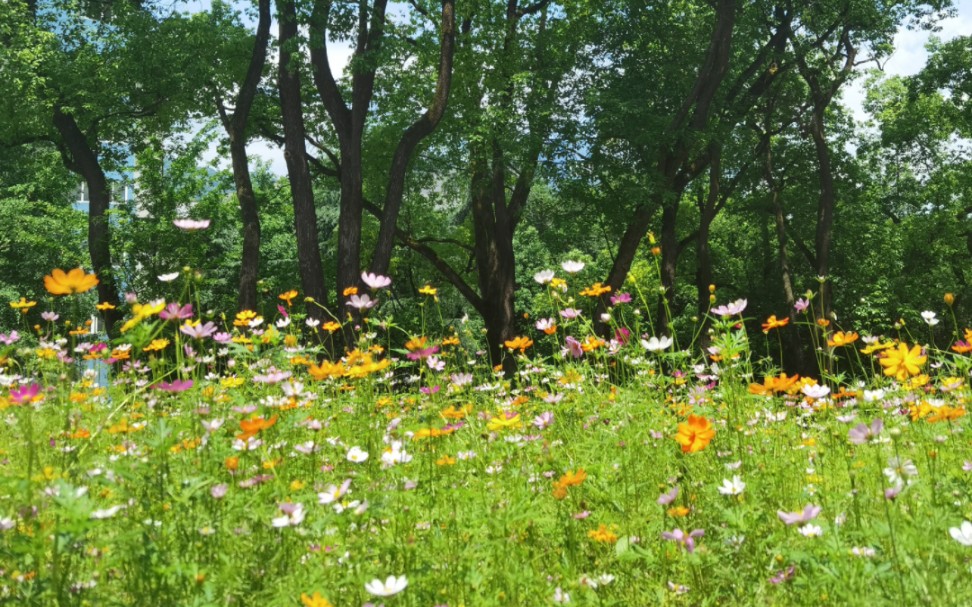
<point>695,434</point>
<point>60,282</point>
<point>842,339</point>
<point>288,296</point>
<point>603,535</point>
<point>250,427</point>
<point>774,323</point>
<point>518,343</point>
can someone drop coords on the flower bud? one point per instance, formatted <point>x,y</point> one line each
<point>949,299</point>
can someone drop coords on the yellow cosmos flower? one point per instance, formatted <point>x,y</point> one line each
<point>104,306</point>
<point>596,290</point>
<point>902,363</point>
<point>23,305</point>
<point>156,345</point>
<point>60,282</point>
<point>288,296</point>
<point>429,290</point>
<point>504,422</point>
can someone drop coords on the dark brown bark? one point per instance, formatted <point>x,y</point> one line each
<point>82,159</point>
<point>295,154</point>
<point>348,122</point>
<point>821,95</point>
<point>495,258</point>
<point>235,125</point>
<point>795,360</point>
<point>708,210</point>
<point>675,167</point>
<point>413,135</point>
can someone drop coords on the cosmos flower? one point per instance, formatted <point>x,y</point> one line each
<point>361,302</point>
<point>809,513</point>
<point>687,540</point>
<point>572,267</point>
<point>60,282</point>
<point>544,276</point>
<point>293,515</point>
<point>962,534</point>
<point>695,434</point>
<point>191,225</point>
<point>655,344</point>
<point>730,309</point>
<point>375,281</point>
<point>392,585</point>
<point>357,455</point>
<point>862,433</point>
<point>732,487</point>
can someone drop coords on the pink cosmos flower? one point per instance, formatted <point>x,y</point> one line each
<point>731,309</point>
<point>620,298</point>
<point>179,385</point>
<point>24,394</point>
<point>375,281</point>
<point>198,331</point>
<point>862,433</point>
<point>809,513</point>
<point>685,539</point>
<point>176,312</point>
<point>667,498</point>
<point>361,302</point>
<point>573,347</point>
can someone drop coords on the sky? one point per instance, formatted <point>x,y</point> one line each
<point>908,59</point>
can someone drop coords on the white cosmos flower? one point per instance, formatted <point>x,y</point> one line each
<point>654,344</point>
<point>544,277</point>
<point>168,277</point>
<point>392,585</point>
<point>817,391</point>
<point>572,267</point>
<point>929,318</point>
<point>560,596</point>
<point>732,487</point>
<point>963,534</point>
<point>106,513</point>
<point>811,530</point>
<point>357,455</point>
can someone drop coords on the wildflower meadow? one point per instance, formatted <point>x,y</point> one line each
<point>210,459</point>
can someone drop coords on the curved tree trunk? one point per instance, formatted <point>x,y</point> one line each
<point>295,153</point>
<point>83,160</point>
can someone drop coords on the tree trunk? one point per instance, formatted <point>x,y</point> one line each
<point>249,211</point>
<point>413,135</point>
<point>235,126</point>
<point>83,160</point>
<point>495,261</point>
<point>703,274</point>
<point>825,208</point>
<point>295,154</point>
